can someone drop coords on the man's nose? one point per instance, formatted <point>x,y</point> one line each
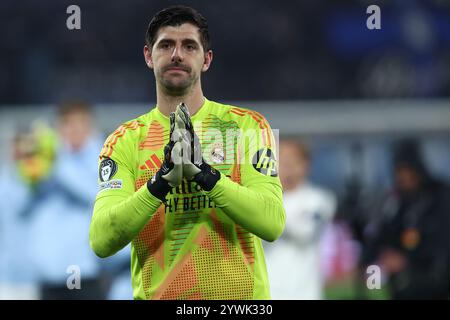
<point>177,55</point>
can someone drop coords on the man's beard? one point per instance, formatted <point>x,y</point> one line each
<point>176,87</point>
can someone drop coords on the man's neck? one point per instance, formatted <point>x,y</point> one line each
<point>194,100</point>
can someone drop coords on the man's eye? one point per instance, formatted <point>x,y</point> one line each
<point>164,45</point>
<point>190,47</point>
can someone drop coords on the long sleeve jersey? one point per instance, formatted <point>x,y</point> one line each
<point>198,244</point>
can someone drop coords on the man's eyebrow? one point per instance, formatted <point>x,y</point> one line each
<point>189,40</point>
<point>185,41</point>
<point>166,40</point>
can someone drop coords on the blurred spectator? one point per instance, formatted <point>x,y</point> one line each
<point>293,261</point>
<point>411,241</point>
<point>118,267</point>
<point>32,154</point>
<point>50,183</point>
<point>61,214</point>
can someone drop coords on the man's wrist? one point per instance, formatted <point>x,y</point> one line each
<point>158,187</point>
<point>207,177</point>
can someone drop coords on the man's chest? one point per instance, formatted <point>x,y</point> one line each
<point>219,145</point>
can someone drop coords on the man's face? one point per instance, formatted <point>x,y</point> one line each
<point>293,166</point>
<point>177,58</point>
<point>407,179</point>
<point>75,129</point>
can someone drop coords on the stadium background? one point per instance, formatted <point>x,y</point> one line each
<point>311,67</point>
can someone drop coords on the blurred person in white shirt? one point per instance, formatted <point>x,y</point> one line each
<point>293,262</point>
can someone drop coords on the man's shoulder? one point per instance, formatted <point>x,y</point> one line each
<point>135,126</point>
<point>240,114</point>
<point>126,134</point>
<point>128,129</point>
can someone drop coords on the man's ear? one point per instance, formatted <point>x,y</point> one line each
<point>148,56</point>
<point>207,61</point>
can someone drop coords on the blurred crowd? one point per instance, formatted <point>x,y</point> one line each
<point>333,243</point>
<point>285,50</point>
<point>48,188</point>
<point>332,236</point>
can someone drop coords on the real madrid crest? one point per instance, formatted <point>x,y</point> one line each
<point>217,154</point>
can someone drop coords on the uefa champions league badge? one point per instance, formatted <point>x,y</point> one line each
<point>217,154</point>
<point>107,170</point>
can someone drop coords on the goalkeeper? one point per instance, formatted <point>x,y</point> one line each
<point>193,194</point>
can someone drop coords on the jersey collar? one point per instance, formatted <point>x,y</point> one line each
<point>197,116</point>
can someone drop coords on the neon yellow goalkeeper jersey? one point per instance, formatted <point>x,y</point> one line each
<point>199,244</point>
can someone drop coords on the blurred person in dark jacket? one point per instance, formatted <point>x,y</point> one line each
<point>411,241</point>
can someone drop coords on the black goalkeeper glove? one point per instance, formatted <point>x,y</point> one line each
<point>194,166</point>
<point>171,172</point>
